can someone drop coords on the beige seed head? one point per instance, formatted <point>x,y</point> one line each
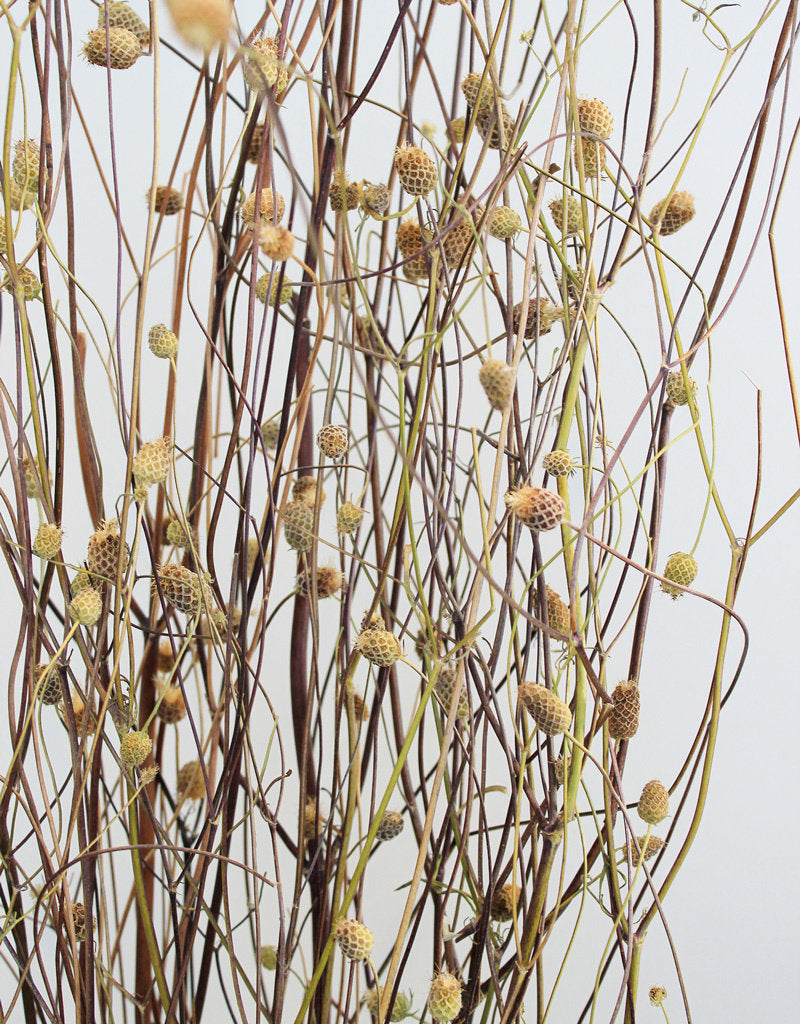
<point>677,392</point>
<point>47,542</point>
<point>190,782</point>
<point>444,997</point>
<point>333,441</point>
<point>312,821</point>
<point>402,1003</point>
<point>489,127</point>
<point>32,478</point>
<point>271,208</point>
<point>458,126</point>
<point>444,688</point>
<point>378,646</point>
<point>305,490</point>
<point>25,165</point>
<point>330,581</point>
<point>550,713</point>
<point>122,15</point>
<point>353,938</point>
<point>172,707</point>
<point>20,198</point>
<point>275,241</point>
<point>151,463</point>
<point>269,432</point>
<point>134,748</point>
<point>106,551</point>
<point>594,118</point>
<point>504,222</point>
<point>653,804</point>
<point>163,342</point>
<point>541,316</point>
<point>168,200</point>
<point>410,238</point>
<point>48,682</point>
<point>344,194</point>
<point>657,995</point>
<point>477,94</point>
<point>594,156</point>
<point>267,290</point>
<point>497,380</point>
<point>375,198</point>
<point>535,507</point>
<point>254,147</point>
<point>567,215</point>
<point>298,525</point>
<point>28,285</point>
<point>348,518</point>
<point>682,569</point>
<point>558,616</point>
<point>390,827</point>
<point>78,915</point>
<point>673,214</point>
<point>415,169</point>
<point>202,23</point>
<point>623,722</point>
<point>504,902</point>
<point>181,587</point>
<point>263,69</point>
<point>558,463</point>
<point>86,607</point>
<point>124,48</point>
<point>650,846</point>
<point>180,534</point>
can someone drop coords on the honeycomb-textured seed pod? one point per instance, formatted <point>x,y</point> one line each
<point>202,23</point>
<point>623,722</point>
<point>443,691</point>
<point>298,525</point>
<point>410,238</point>
<point>106,551</point>
<point>594,156</point>
<point>558,616</point>
<point>179,533</point>
<point>458,127</point>
<point>504,222</point>
<point>568,218</point>
<point>262,67</point>
<point>353,938</point>
<point>33,479</point>
<point>344,194</point>
<point>378,646</point>
<point>478,91</point>
<point>190,783</point>
<point>271,208</point>
<point>504,902</point>
<point>78,915</point>
<point>25,165</point>
<point>489,127</point>
<point>573,281</point>
<point>390,827</point>
<point>305,489</point>
<point>650,846</point>
<point>254,146</point>
<point>28,285</point>
<point>348,518</point>
<point>181,587</point>
<point>677,392</point>
<point>312,821</point>
<point>275,241</point>
<point>375,198</point>
<point>48,679</point>
<point>330,581</point>
<point>134,748</point>
<point>168,200</point>
<point>172,706</point>
<point>594,118</point>
<point>497,380</point>
<point>558,463</point>
<point>682,569</point>
<point>20,198</point>
<point>458,240</point>
<point>653,804</point>
<point>549,712</point>
<point>400,1010</point>
<point>124,49</point>
<point>268,958</point>
<point>82,580</point>
<point>47,542</point>
<point>535,507</point>
<point>162,342</point>
<point>269,432</point>
<point>267,290</point>
<point>151,463</point>
<point>333,441</point>
<point>444,997</point>
<point>122,15</point>
<point>674,213</point>
<point>415,169</point>
<point>542,314</point>
<point>657,995</point>
<point>86,607</point>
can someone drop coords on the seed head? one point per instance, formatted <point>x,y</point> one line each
<point>681,569</point>
<point>268,957</point>
<point>378,645</point>
<point>558,463</point>
<point>650,846</point>
<point>271,208</point>
<point>402,1004</point>
<point>333,441</point>
<point>444,997</point>
<point>677,392</point>
<point>25,165</point>
<point>151,463</point>
<point>653,804</point>
<point>298,525</point>
<point>28,285</point>
<point>330,581</point>
<point>504,902</point>
<point>558,617</point>
<point>124,49</point>
<point>122,15</point>
<point>47,542</point>
<point>263,69</point>
<point>84,719</point>
<point>33,479</point>
<point>375,199</point>
<point>535,507</point>
<point>568,218</point>
<point>478,91</point>
<point>673,214</point>
<point>657,995</point>
<point>594,156</point>
<point>182,588</point>
<point>497,380</point>
<point>190,783</point>
<point>202,23</point>
<point>488,125</point>
<point>542,314</point>
<point>312,821</point>
<point>162,341</point>
<point>267,289</point>
<point>305,490</point>
<point>415,169</point>
<point>81,581</point>
<point>410,238</point>
<point>348,518</point>
<point>390,827</point>
<point>443,691</point>
<point>134,748</point>
<point>458,240</point>
<point>458,126</point>
<point>353,938</point>
<point>594,118</point>
<point>78,916</point>
<point>549,712</point>
<point>48,682</point>
<point>269,432</point>
<point>86,607</point>
<point>623,722</point>
<point>504,222</point>
<point>172,707</point>
<point>344,194</point>
<point>168,200</point>
<point>275,241</point>
<point>106,551</point>
<point>180,534</point>
<point>20,198</point>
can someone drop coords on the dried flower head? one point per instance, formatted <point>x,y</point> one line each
<point>122,15</point>
<point>677,391</point>
<point>497,380</point>
<point>353,938</point>
<point>378,645</point>
<point>681,569</point>
<point>275,241</point>
<point>558,463</point>
<point>504,222</point>
<point>623,722</point>
<point>49,678</point>
<point>348,518</point>
<point>134,748</point>
<point>594,118</point>
<point>390,827</point>
<point>444,997</point>
<point>329,581</point>
<point>333,441</point>
<point>541,315</point>
<point>202,23</point>
<point>673,213</point>
<point>168,200</point>
<point>190,782</point>
<point>163,342</point>
<point>375,198</point>
<point>47,542</point>
<point>535,507</point>
<point>119,50</point>
<point>415,169</point>
<point>263,69</point>
<point>653,804</point>
<point>551,714</point>
<point>151,463</point>
<point>86,607</point>
<point>271,208</point>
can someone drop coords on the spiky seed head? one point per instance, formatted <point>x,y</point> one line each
<point>122,15</point>
<point>181,587</point>
<point>134,747</point>
<point>567,216</point>
<point>558,463</point>
<point>682,569</point>
<point>458,126</point>
<point>179,533</point>
<point>48,682</point>
<point>390,827</point>
<point>400,1010</point>
<point>594,156</point>
<point>124,49</point>
<point>348,518</point>
<point>677,392</point>
<point>623,722</point>
<point>267,290</point>
<point>535,507</point>
<point>488,125</point>
<point>478,91</point>
<point>504,902</point>
<point>558,617</point>
<point>444,997</point>
<point>650,846</point>
<point>378,645</point>
<point>28,285</point>
<point>202,23</point>
<point>594,118</point>
<point>190,782</point>
<point>106,551</point>
<point>25,165</point>
<point>497,380</point>
<point>443,691</point>
<point>78,916</point>
<point>330,581</point>
<point>333,441</point>
<point>353,938</point>
<point>305,489</point>
<point>168,200</point>
<point>673,214</point>
<point>542,314</point>
<point>657,995</point>
<point>504,222</point>
<point>269,432</point>
<point>375,198</point>
<point>298,525</point>
<point>551,714</point>
<point>275,241</point>
<point>271,208</point>
<point>268,958</point>
<point>415,169</point>
<point>263,69</point>
<point>344,194</point>
<point>312,821</point>
<point>47,542</point>
<point>172,707</point>
<point>86,607</point>
<point>151,463</point>
<point>653,804</point>
<point>163,342</point>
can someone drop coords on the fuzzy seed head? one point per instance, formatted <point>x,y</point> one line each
<point>168,200</point>
<point>682,569</point>
<point>489,127</point>
<point>650,846</point>
<point>263,69</point>
<point>594,118</point>
<point>344,194</point>
<point>353,938</point>
<point>163,342</point>
<point>594,156</point>
<point>28,285</point>
<point>271,208</point>
<point>181,587</point>
<point>47,542</point>
<point>542,314</point>
<point>375,198</point>
<point>268,958</point>
<point>623,722</point>
<point>558,463</point>
<point>653,804</point>
<point>400,1010</point>
<point>673,214</point>
<point>151,463</point>
<point>504,222</point>
<point>124,49</point>
<point>535,507</point>
<point>558,617</point>
<point>657,995</point>
<point>305,490</point>
<point>444,997</point>
<point>122,15</point>
<point>298,525</point>
<point>333,441</point>
<point>86,607</point>
<point>497,380</point>
<point>202,23</point>
<point>190,782</point>
<point>504,902</point>
<point>567,216</point>
<point>390,827</point>
<point>677,392</point>
<point>267,290</point>
<point>330,581</point>
<point>549,712</point>
<point>378,646</point>
<point>172,708</point>
<point>477,94</point>
<point>312,821</point>
<point>25,165</point>
<point>134,748</point>
<point>48,683</point>
<point>275,241</point>
<point>415,169</point>
<point>443,690</point>
<point>348,518</point>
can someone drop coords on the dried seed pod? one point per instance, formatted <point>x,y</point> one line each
<point>594,156</point>
<point>163,342</point>
<point>443,691</point>
<point>378,645</point>
<point>348,518</point>
<point>535,507</point>
<point>558,463</point>
<point>504,222</point>
<point>415,169</point>
<point>28,285</point>
<point>262,67</point>
<point>657,995</point>
<point>268,958</point>
<point>47,542</point>
<point>32,478</point>
<point>390,827</point>
<point>86,607</point>
<point>106,551</point>
<point>122,15</point>
<point>134,748</point>
<point>267,290</point>
<point>497,380</point>
<point>504,902</point>
<point>458,126</point>
<point>650,847</point>
<point>551,714</point>
<point>677,392</point>
<point>594,118</point>
<point>312,821</point>
<point>305,490</point>
<point>180,534</point>
<point>542,314</point>
<point>682,569</point>
<point>344,194</point>
<point>275,241</point>
<point>190,782</point>
<point>168,200</point>
<point>20,198</point>
<point>653,804</point>
<point>298,525</point>
<point>558,616</point>
<point>444,997</point>
<point>333,441</point>
<point>489,127</point>
<point>353,938</point>
<point>151,463</point>
<point>673,213</point>
<point>121,51</point>
<point>202,23</point>
<point>49,677</point>
<point>402,1003</point>
<point>567,215</point>
<point>330,581</point>
<point>172,706</point>
<point>182,588</point>
<point>623,722</point>
<point>25,165</point>
<point>269,432</point>
<point>271,208</point>
<point>478,91</point>
<point>375,198</point>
